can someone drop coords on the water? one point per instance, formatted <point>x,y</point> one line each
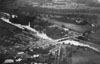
<point>77,28</point>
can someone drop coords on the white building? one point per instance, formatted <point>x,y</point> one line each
<point>59,1</point>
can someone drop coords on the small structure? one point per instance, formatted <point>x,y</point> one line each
<point>59,1</point>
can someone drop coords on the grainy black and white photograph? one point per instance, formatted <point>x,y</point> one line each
<point>49,31</point>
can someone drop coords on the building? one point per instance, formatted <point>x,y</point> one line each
<point>58,1</point>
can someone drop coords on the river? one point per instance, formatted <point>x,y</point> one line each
<point>78,28</point>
